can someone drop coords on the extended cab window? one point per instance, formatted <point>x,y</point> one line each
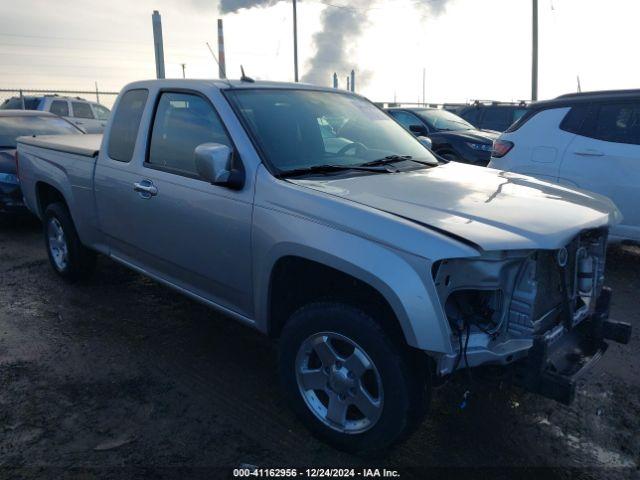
<point>60,107</point>
<point>124,129</point>
<point>182,122</point>
<point>81,110</point>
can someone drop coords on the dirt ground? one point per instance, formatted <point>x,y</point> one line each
<point>123,378</point>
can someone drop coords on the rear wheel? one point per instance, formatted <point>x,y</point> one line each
<point>68,257</point>
<point>348,381</point>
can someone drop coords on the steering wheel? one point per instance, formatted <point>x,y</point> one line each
<point>359,147</point>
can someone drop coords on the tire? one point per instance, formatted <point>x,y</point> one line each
<point>398,387</point>
<point>68,257</point>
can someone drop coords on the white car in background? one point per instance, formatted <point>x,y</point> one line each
<point>89,116</point>
<point>585,140</point>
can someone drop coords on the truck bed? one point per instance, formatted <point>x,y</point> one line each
<point>86,145</point>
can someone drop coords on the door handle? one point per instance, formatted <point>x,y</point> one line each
<point>589,153</point>
<point>145,188</point>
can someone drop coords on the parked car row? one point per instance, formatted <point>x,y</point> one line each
<point>586,140</point>
<point>89,116</point>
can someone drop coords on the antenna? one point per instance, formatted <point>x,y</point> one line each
<point>244,78</point>
<point>213,54</point>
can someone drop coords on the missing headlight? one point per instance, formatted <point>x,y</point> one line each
<point>478,308</point>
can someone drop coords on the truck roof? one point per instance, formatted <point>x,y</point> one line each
<point>226,84</point>
<point>87,145</point>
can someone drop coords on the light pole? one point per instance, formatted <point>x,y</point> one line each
<point>295,42</point>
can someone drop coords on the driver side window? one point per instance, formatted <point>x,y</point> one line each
<point>405,119</point>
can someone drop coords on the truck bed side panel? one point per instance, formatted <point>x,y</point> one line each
<point>69,173</point>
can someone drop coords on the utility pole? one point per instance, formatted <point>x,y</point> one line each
<point>222,68</point>
<point>353,80</point>
<point>579,86</point>
<point>97,94</point>
<point>157,43</point>
<point>183,65</point>
<point>295,42</point>
<point>534,52</point>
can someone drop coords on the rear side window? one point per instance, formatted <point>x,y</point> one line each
<point>126,122</point>
<point>619,123</point>
<point>81,110</point>
<point>60,107</point>
<point>574,120</point>
<point>182,122</point>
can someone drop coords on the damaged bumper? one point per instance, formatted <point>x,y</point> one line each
<point>561,356</point>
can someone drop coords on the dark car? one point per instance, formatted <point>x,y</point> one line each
<point>452,137</point>
<point>18,123</point>
<point>496,116</point>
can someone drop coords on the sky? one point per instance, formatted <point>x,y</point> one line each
<point>468,49</point>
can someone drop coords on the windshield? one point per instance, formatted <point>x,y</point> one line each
<point>18,126</point>
<point>441,120</point>
<point>297,129</point>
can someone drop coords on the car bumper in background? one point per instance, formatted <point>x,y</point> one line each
<point>10,195</point>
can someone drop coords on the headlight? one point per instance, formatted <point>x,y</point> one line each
<point>483,147</point>
<point>8,178</point>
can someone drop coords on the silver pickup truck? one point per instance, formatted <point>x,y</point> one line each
<point>312,216</point>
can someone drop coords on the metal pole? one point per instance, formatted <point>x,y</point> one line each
<point>348,85</point>
<point>295,42</point>
<point>353,80</point>
<point>183,65</point>
<point>97,93</point>
<point>424,73</point>
<point>222,68</point>
<point>534,53</point>
<point>22,100</point>
<point>335,80</point>
<point>157,43</point>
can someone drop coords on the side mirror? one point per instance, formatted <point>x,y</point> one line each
<point>426,141</point>
<point>214,163</point>
<point>418,129</point>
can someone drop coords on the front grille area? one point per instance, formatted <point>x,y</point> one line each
<point>558,285</point>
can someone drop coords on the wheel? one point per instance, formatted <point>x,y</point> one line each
<point>348,381</point>
<point>68,257</point>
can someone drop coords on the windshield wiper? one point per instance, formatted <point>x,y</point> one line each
<point>394,159</point>
<point>296,172</point>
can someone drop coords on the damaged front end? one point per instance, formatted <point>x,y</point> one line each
<point>542,313</point>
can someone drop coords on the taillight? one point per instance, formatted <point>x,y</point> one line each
<point>17,165</point>
<point>501,148</point>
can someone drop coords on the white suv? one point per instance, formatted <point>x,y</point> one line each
<point>89,116</point>
<point>586,140</point>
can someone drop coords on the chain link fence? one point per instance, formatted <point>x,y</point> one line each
<point>103,97</point>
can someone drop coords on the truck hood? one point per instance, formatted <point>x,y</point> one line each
<point>492,209</point>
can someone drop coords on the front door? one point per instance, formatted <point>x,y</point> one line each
<point>166,220</point>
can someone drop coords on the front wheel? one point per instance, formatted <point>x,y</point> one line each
<point>68,257</point>
<point>348,380</point>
